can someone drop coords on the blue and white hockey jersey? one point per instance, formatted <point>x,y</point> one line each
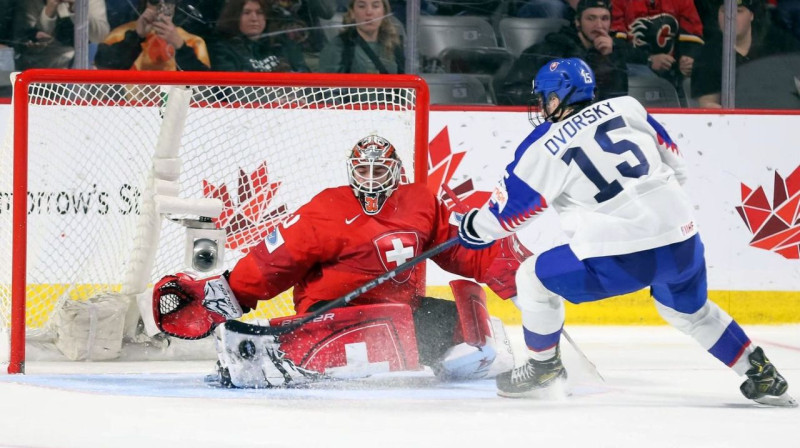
<point>611,172</point>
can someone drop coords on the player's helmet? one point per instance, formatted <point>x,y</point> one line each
<point>571,80</point>
<point>374,171</point>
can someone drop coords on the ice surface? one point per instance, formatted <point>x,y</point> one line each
<point>660,390</point>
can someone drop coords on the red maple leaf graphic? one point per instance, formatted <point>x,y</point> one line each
<point>442,163</point>
<point>774,227</point>
<point>250,218</point>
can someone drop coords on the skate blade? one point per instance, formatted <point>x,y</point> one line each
<point>557,391</point>
<point>785,401</point>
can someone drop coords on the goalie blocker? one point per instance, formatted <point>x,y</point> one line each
<point>457,339</point>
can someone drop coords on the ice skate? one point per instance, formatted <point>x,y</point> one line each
<point>764,384</point>
<point>534,379</point>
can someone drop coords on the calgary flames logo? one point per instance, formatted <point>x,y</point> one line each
<point>656,32</point>
<point>774,227</point>
<point>250,218</point>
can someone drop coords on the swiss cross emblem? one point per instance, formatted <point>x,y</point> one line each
<point>395,249</point>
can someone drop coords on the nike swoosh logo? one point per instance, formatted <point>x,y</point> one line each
<point>349,221</point>
<point>291,222</point>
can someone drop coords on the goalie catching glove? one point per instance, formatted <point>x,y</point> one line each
<point>189,308</point>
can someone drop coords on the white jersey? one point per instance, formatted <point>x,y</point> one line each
<point>611,172</point>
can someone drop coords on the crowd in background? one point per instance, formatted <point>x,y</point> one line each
<point>679,41</point>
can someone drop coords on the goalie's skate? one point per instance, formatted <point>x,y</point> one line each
<point>764,384</point>
<point>534,379</point>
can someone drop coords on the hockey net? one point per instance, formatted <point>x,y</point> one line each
<point>82,156</point>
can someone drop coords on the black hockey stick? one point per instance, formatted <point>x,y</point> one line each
<point>292,325</point>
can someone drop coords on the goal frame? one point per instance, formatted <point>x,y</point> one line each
<point>20,106</point>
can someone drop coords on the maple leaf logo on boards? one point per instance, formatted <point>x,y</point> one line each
<point>248,220</point>
<point>442,163</point>
<point>775,227</point>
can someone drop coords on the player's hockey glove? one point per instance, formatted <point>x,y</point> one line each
<point>467,235</point>
<point>190,308</point>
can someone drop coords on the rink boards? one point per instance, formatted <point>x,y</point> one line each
<point>754,278</point>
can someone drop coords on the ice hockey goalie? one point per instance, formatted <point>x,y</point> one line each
<point>341,239</point>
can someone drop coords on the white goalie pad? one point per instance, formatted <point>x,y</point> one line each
<point>251,360</point>
<point>467,362</point>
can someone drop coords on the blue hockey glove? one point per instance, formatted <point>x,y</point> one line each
<point>467,235</point>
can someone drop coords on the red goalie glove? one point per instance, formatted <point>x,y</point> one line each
<point>189,308</point>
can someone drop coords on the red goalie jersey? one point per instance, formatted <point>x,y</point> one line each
<point>330,247</point>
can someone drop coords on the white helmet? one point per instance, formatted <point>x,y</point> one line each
<point>374,171</point>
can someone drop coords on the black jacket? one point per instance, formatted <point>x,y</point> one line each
<point>610,71</point>
<point>240,54</point>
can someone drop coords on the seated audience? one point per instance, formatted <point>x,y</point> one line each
<point>46,34</point>
<point>7,9</point>
<point>369,42</point>
<point>666,36</point>
<point>197,17</point>
<point>153,42</point>
<point>244,47</point>
<point>755,38</point>
<point>586,38</point>
<point>300,21</point>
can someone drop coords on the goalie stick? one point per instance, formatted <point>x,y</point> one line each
<point>347,298</point>
<point>462,208</point>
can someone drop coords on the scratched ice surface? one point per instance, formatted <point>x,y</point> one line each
<point>659,389</point>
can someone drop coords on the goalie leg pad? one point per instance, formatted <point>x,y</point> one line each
<point>485,350</point>
<point>247,359</point>
<point>354,341</point>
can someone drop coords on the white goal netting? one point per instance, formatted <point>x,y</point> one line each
<point>263,147</point>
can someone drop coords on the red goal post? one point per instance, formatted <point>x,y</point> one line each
<point>83,163</point>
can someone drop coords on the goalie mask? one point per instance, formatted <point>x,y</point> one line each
<point>374,171</point>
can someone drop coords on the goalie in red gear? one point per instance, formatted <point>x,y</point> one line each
<point>343,238</point>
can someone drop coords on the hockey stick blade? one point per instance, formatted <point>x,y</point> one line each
<point>584,358</point>
<point>347,298</point>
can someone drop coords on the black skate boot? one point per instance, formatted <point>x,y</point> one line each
<point>532,378</point>
<point>764,384</point>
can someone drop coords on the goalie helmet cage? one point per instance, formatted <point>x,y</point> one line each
<point>83,155</point>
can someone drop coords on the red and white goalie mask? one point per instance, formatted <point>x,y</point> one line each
<point>374,171</point>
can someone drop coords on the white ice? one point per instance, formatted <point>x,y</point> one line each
<point>660,390</point>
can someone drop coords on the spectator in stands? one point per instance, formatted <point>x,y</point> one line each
<point>7,9</point>
<point>755,38</point>
<point>666,36</point>
<point>153,42</point>
<point>368,43</point>
<point>46,33</point>
<point>194,16</point>
<point>707,11</point>
<point>300,21</point>
<point>789,15</point>
<point>7,53</point>
<point>587,37</point>
<point>243,46</point>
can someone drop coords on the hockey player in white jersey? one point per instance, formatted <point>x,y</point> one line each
<point>614,176</point>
